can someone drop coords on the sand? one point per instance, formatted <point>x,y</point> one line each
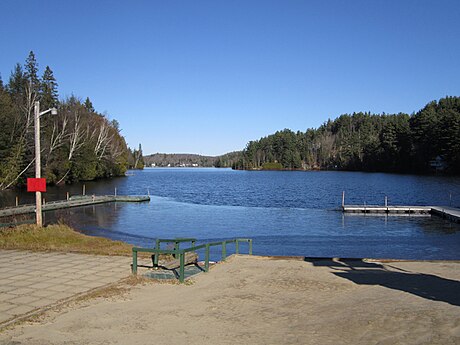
<point>251,300</point>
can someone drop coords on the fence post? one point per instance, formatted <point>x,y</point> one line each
<point>224,250</point>
<point>250,246</point>
<point>157,255</point>
<point>182,267</point>
<point>176,248</point>
<point>206,260</point>
<point>237,249</point>
<point>84,189</point>
<point>134,267</point>
<point>17,201</point>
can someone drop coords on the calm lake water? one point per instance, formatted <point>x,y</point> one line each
<point>286,213</point>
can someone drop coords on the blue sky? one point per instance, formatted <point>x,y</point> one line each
<point>208,76</point>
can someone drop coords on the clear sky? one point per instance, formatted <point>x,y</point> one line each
<point>208,76</point>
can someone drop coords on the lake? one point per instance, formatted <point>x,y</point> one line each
<point>284,212</point>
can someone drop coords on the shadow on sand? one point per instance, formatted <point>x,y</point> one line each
<point>367,273</point>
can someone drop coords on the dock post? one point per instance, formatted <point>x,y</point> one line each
<point>17,201</point>
<point>44,201</point>
<point>67,196</point>
<point>148,191</point>
<point>84,189</point>
<point>115,191</point>
<point>343,199</point>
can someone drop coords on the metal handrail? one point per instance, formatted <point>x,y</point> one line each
<point>176,252</point>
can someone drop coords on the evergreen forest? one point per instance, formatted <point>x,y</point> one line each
<point>76,144</point>
<point>423,142</point>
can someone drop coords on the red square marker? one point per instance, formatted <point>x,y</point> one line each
<point>36,185</point>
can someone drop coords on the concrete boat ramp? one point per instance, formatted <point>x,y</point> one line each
<point>74,201</point>
<point>447,212</point>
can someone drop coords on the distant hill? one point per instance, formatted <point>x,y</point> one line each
<point>191,160</point>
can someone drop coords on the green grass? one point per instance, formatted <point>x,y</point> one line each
<point>60,238</point>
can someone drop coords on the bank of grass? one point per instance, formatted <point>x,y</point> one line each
<point>61,238</point>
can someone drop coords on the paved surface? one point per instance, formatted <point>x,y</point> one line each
<point>30,281</point>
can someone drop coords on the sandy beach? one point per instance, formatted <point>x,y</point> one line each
<point>253,300</point>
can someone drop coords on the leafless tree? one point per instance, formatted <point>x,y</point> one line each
<point>75,140</point>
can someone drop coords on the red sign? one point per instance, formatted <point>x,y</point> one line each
<point>36,185</point>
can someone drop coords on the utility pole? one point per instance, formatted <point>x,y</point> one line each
<point>38,194</point>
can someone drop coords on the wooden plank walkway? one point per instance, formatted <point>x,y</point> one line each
<point>450,213</point>
<point>75,201</point>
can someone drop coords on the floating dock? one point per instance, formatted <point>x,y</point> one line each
<point>386,209</point>
<point>74,201</point>
<point>450,213</point>
<point>447,212</point>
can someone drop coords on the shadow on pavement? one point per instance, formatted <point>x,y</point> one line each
<point>367,273</point>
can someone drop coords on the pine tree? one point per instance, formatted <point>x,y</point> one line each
<point>16,85</point>
<point>139,158</point>
<point>31,73</point>
<point>89,105</point>
<point>49,92</point>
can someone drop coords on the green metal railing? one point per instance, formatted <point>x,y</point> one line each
<point>177,252</point>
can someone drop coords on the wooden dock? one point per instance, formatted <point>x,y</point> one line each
<point>447,212</point>
<point>74,201</point>
<point>450,213</point>
<point>386,209</point>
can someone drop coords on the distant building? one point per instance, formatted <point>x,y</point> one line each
<point>438,164</point>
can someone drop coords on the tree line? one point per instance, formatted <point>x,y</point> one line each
<point>76,144</point>
<point>191,160</point>
<point>418,143</point>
